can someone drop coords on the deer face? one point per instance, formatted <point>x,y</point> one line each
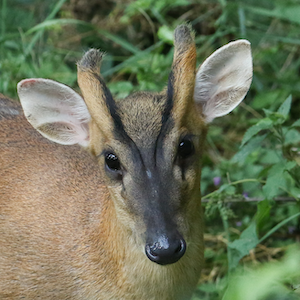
<point>148,145</point>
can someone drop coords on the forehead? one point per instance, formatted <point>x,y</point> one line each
<point>142,116</point>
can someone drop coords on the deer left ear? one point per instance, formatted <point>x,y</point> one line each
<point>55,110</point>
<point>223,80</point>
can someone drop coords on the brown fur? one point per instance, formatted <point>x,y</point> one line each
<point>184,69</point>
<point>74,247</point>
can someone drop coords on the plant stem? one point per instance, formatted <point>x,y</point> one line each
<point>233,183</point>
<point>227,233</point>
<point>278,226</point>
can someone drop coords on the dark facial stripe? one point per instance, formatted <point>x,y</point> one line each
<point>119,130</point>
<point>167,121</point>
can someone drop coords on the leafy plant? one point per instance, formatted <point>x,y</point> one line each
<point>278,177</point>
<point>270,281</point>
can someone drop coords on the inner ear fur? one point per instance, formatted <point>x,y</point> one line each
<point>55,110</point>
<point>224,79</point>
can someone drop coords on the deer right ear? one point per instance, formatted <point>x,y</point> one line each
<point>223,80</point>
<point>55,110</point>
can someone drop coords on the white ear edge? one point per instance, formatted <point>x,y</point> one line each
<point>223,79</point>
<point>55,110</point>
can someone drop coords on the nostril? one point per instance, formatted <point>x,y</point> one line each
<point>180,246</point>
<point>180,250</point>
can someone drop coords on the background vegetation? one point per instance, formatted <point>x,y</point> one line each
<point>251,174</point>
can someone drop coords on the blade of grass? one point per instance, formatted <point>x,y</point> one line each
<point>50,23</point>
<point>116,39</point>
<point>55,10</point>
<point>242,20</point>
<point>3,14</point>
<point>132,59</point>
<point>9,36</point>
<point>158,16</point>
<point>287,13</point>
<point>270,37</point>
<point>275,228</point>
<point>119,41</point>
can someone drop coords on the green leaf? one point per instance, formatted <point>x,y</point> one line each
<point>274,181</point>
<point>208,288</point>
<point>295,192</point>
<point>261,125</point>
<point>121,89</point>
<point>281,115</point>
<point>290,165</point>
<point>292,137</point>
<point>268,112</point>
<point>276,178</point>
<point>223,187</point>
<point>263,212</point>
<point>165,34</point>
<point>251,146</point>
<point>296,124</point>
<point>230,190</point>
<point>269,281</point>
<point>241,247</point>
<point>268,99</point>
<point>285,107</point>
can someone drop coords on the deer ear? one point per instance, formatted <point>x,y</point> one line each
<point>55,110</point>
<point>223,80</point>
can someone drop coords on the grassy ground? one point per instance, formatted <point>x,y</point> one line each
<point>46,38</point>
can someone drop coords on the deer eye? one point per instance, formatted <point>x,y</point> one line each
<point>112,162</point>
<point>185,149</point>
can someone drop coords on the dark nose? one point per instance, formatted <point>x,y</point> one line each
<point>166,250</point>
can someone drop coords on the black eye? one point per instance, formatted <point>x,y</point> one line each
<point>185,149</point>
<point>112,162</point>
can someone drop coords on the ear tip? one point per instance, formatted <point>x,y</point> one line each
<point>242,43</point>
<point>26,83</point>
<point>241,48</point>
<point>183,34</point>
<point>29,83</point>
<point>183,28</point>
<point>91,60</point>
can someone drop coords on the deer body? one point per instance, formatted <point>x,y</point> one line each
<point>87,255</point>
<point>123,219</point>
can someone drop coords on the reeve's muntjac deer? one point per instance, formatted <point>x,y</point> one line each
<point>108,206</point>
